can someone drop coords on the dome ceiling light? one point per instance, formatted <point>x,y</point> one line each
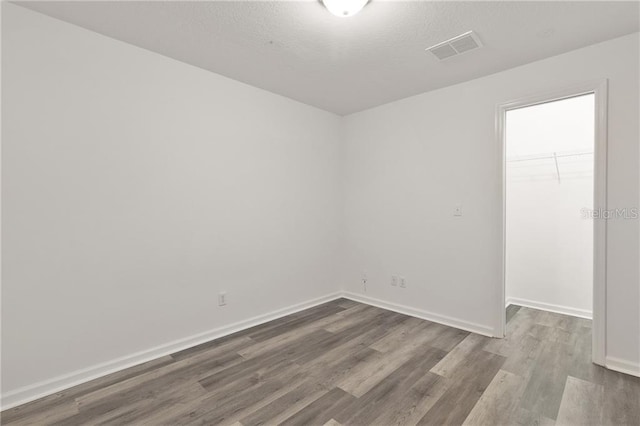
<point>344,8</point>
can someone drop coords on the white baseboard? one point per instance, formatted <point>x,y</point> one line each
<point>559,309</point>
<point>419,313</point>
<point>623,366</point>
<point>47,387</point>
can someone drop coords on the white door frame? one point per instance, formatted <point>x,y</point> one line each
<point>599,89</point>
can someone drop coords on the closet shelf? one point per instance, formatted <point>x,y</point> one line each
<point>553,156</point>
<point>549,156</point>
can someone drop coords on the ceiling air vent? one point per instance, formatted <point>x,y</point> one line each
<point>456,45</point>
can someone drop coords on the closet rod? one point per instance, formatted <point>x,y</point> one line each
<point>551,156</point>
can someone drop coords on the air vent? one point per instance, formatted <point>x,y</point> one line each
<point>456,45</point>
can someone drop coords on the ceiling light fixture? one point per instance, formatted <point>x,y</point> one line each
<point>344,8</point>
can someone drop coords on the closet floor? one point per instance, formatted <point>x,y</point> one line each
<point>352,364</point>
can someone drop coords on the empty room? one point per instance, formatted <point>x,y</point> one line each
<point>320,213</point>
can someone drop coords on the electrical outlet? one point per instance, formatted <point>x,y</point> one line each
<point>403,282</point>
<point>457,210</point>
<point>364,281</point>
<point>394,280</point>
<point>222,299</point>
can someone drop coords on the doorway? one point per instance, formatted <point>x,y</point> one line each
<point>553,156</point>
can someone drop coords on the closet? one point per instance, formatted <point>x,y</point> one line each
<point>549,206</point>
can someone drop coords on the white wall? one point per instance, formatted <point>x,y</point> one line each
<point>549,255</point>
<point>408,163</point>
<point>136,187</point>
<point>549,233</point>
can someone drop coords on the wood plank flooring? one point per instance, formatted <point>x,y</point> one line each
<point>345,363</point>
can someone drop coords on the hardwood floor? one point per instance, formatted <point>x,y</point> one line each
<point>345,363</point>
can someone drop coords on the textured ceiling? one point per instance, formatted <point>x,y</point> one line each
<point>345,65</point>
